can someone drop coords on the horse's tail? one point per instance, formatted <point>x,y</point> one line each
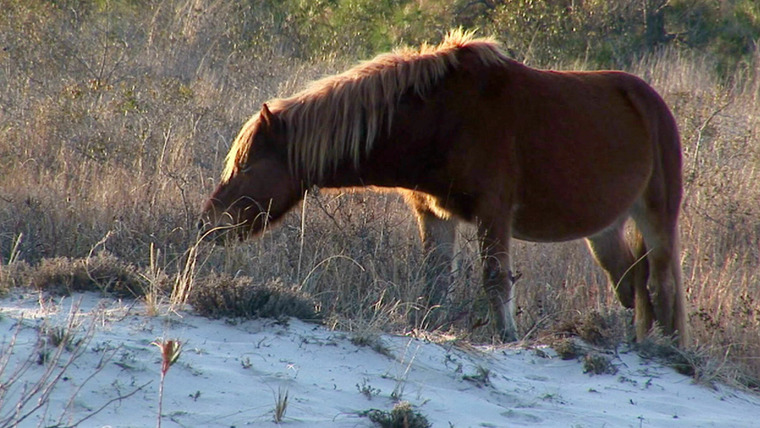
<point>672,165</point>
<point>671,157</point>
<point>664,193</point>
<point>664,137</point>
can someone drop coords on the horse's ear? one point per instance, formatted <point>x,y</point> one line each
<point>266,116</point>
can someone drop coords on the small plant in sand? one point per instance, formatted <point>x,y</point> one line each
<point>367,390</point>
<point>596,364</point>
<point>280,404</point>
<point>481,377</point>
<point>402,416</point>
<point>170,351</point>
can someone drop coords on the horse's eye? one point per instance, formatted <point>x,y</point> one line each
<point>246,169</point>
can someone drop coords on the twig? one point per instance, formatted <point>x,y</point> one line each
<point>101,408</point>
<point>328,260</point>
<point>99,368</point>
<point>44,386</point>
<point>700,130</point>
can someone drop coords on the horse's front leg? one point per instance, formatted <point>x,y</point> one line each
<point>438,239</point>
<point>498,279</point>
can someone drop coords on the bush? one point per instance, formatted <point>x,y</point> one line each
<point>13,275</point>
<point>103,272</point>
<point>402,416</point>
<point>226,296</point>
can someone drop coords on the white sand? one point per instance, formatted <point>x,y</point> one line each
<point>228,375</point>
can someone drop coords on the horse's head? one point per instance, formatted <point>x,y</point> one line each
<point>257,186</point>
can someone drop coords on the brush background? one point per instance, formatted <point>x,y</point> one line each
<point>115,118</point>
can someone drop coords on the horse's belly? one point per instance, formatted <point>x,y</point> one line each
<point>559,229</point>
<point>577,187</point>
<point>576,209</point>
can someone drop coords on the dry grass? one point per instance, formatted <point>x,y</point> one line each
<point>720,226</point>
<point>104,273</point>
<point>225,296</point>
<point>115,123</point>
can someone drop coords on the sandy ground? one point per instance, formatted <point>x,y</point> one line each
<point>229,374</point>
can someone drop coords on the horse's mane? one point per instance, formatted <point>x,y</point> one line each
<point>337,118</point>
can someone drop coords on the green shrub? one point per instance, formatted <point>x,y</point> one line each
<point>402,416</point>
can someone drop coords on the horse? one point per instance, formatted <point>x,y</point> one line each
<point>467,134</point>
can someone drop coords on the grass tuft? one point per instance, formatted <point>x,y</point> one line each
<point>567,349</point>
<point>280,405</point>
<point>103,273</point>
<point>689,362</point>
<point>596,363</point>
<point>372,340</point>
<point>220,295</point>
<point>13,275</point>
<point>481,378</point>
<point>598,328</point>
<point>403,415</point>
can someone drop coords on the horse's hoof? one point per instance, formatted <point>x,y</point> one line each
<point>508,336</point>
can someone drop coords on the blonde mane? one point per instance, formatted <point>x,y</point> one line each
<point>337,118</point>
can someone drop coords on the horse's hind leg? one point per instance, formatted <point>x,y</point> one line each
<point>624,270</point>
<point>665,290</point>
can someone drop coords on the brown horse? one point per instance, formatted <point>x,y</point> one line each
<point>468,134</point>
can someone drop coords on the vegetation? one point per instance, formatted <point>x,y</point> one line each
<point>117,114</point>
<point>170,352</point>
<point>401,416</point>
